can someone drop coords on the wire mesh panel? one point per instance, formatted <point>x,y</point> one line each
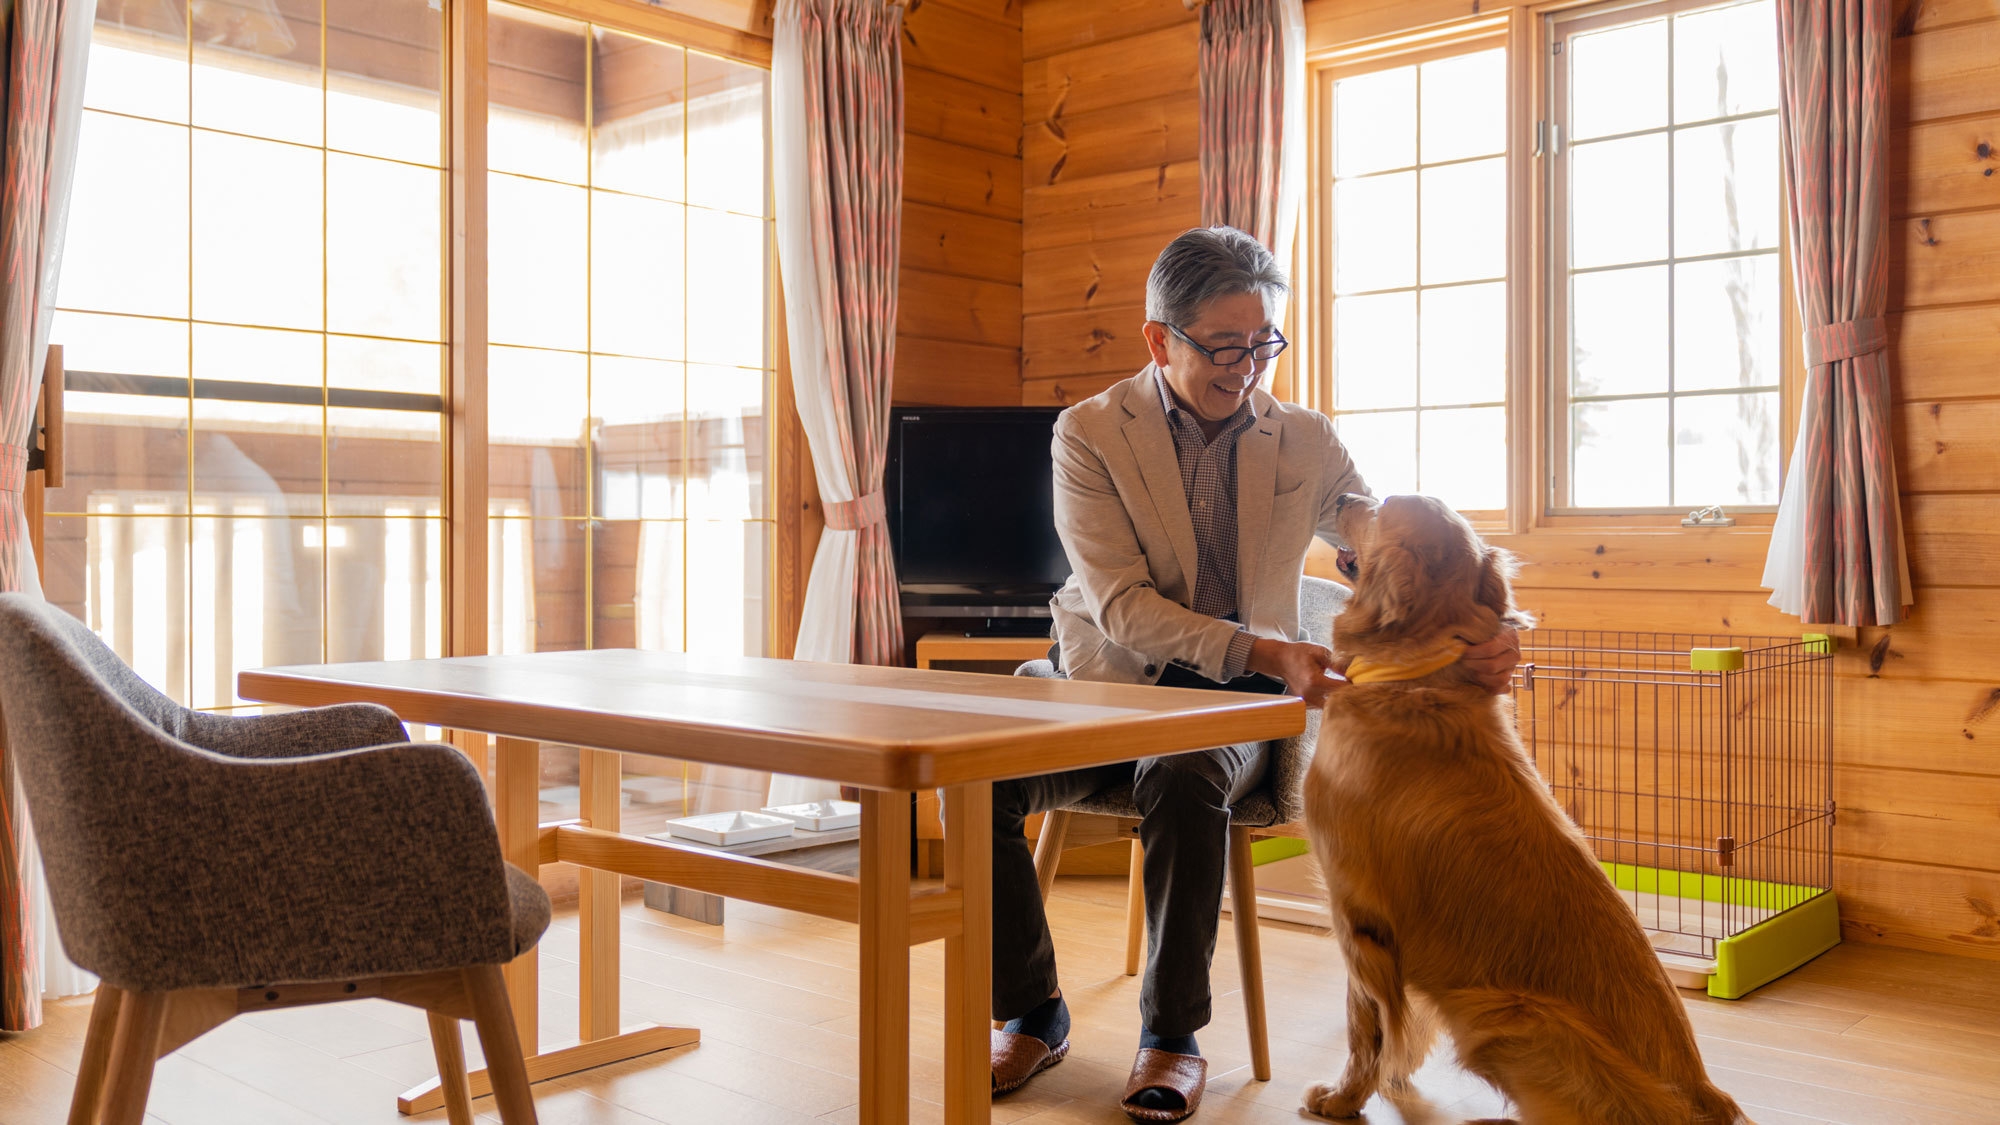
<point>1699,767</point>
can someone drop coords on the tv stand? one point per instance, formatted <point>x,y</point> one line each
<point>933,647</point>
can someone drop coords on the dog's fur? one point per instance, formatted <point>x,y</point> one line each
<point>1462,896</point>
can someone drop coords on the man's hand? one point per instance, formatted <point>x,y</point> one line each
<point>1301,664</point>
<point>1492,663</point>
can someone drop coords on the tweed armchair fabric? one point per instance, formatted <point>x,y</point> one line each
<point>186,850</point>
<point>1278,801</point>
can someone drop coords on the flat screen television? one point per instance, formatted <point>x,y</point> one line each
<point>970,494</point>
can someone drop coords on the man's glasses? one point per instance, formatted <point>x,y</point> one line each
<point>1262,351</point>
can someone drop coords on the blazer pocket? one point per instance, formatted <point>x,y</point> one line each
<point>1285,490</point>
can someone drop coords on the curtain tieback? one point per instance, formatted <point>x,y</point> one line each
<point>1831,343</point>
<point>13,468</point>
<point>853,515</point>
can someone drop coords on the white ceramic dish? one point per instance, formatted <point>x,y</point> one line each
<point>725,828</point>
<point>819,816</point>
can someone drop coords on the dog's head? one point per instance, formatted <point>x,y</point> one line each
<point>1421,575</point>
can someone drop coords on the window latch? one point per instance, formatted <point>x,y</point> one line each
<point>1548,138</point>
<point>1711,516</point>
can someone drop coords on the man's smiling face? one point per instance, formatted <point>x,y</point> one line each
<point>1210,392</point>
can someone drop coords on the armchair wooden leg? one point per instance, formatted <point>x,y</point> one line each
<point>494,1017</point>
<point>1048,850</point>
<point>134,1049</point>
<point>1249,949</point>
<point>1135,909</point>
<point>449,1048</point>
<point>96,1060</point>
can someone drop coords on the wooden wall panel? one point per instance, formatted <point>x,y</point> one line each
<point>1110,109</point>
<point>1092,341</point>
<point>953,40</point>
<point>1147,200</point>
<point>1109,72</point>
<point>1102,274</point>
<point>1067,390</point>
<point>958,324</point>
<point>1943,353</point>
<point>1948,446</point>
<point>1066,25</point>
<point>1946,73</point>
<point>939,240</point>
<point>945,108</point>
<point>961,178</point>
<point>1944,259</point>
<point>1136,135</point>
<point>950,373</point>
<point>1945,166</point>
<point>943,307</point>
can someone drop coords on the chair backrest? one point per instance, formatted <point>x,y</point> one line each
<point>97,759</point>
<point>1319,602</point>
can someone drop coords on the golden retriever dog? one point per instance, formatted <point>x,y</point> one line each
<point>1462,895</point>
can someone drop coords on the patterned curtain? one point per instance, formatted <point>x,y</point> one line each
<point>46,45</point>
<point>1837,550</point>
<point>1252,117</point>
<point>837,135</point>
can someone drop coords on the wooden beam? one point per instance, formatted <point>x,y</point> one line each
<point>818,893</point>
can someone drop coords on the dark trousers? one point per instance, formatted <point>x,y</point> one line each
<point>1184,802</point>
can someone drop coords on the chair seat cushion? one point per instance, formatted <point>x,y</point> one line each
<point>528,905</point>
<point>1255,810</point>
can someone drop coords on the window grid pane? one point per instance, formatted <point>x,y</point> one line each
<point>1419,357</point>
<point>258,206</point>
<point>1673,334</point>
<point>652,437</point>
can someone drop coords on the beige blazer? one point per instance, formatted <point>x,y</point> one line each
<point>1123,517</point>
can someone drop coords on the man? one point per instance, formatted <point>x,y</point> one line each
<point>1186,498</point>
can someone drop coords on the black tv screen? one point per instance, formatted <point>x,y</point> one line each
<point>972,508</point>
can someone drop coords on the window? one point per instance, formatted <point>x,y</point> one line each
<point>1627,348</point>
<point>253,310</point>
<point>1666,280</point>
<point>629,371</point>
<point>1419,223</point>
<point>252,318</point>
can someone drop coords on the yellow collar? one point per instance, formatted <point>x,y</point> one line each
<point>1365,671</point>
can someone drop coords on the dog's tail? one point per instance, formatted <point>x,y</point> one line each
<point>1552,1060</point>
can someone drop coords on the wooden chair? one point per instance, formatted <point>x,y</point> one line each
<point>1272,810</point>
<point>205,866</point>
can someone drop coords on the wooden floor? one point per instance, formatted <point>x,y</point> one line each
<point>1864,1035</point>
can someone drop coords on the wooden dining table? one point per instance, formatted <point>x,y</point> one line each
<point>887,731</point>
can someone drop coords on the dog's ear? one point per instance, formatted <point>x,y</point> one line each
<point>1496,588</point>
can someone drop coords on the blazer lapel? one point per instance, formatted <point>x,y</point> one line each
<point>1153,448</point>
<point>1256,482</point>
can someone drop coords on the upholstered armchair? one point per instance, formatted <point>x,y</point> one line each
<point>207,865</point>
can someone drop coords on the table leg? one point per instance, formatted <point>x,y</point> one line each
<point>517,776</point>
<point>516,809</point>
<point>968,958</point>
<point>597,901</point>
<point>885,957</point>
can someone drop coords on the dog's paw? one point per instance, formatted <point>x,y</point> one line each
<point>1324,1100</point>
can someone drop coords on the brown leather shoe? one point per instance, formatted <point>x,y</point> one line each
<point>1186,1075</point>
<point>1017,1058</point>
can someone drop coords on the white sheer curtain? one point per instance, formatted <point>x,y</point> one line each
<point>59,976</point>
<point>836,125</point>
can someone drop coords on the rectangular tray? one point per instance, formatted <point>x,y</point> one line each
<point>725,828</point>
<point>819,816</point>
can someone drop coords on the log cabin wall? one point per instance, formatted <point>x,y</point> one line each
<point>1109,102</point>
<point>1110,108</point>
<point>958,322</point>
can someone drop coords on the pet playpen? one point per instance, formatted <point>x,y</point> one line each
<point>1700,769</point>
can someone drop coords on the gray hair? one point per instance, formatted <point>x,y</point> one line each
<point>1206,263</point>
